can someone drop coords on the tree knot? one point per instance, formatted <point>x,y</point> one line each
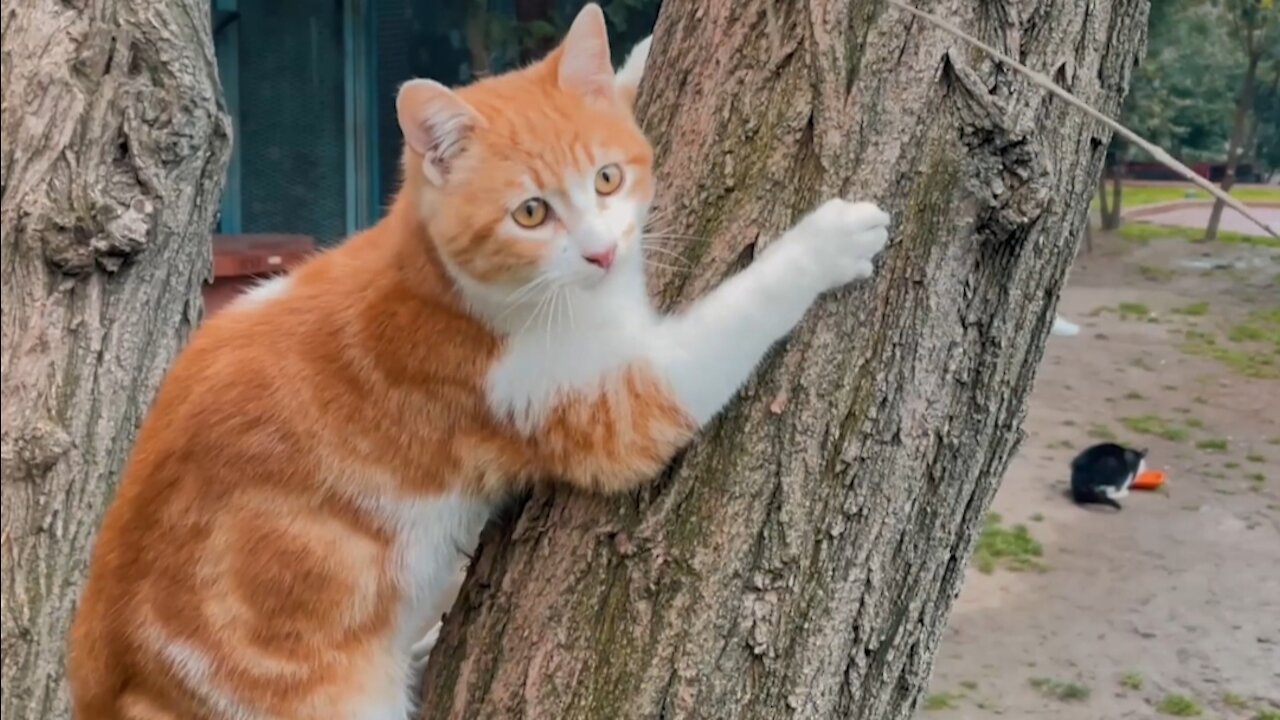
<point>105,236</point>
<point>1009,178</point>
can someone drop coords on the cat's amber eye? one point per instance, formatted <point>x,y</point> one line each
<point>531,213</point>
<point>608,179</point>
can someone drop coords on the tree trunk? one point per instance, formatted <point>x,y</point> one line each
<point>1235,146</point>
<point>800,560</point>
<point>115,144</point>
<point>1110,208</point>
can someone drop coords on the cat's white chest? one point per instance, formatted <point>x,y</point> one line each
<point>575,350</point>
<point>431,538</point>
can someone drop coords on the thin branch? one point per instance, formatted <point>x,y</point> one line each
<point>1043,81</point>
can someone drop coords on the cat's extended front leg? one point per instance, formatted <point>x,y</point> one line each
<point>706,353</point>
<point>694,362</point>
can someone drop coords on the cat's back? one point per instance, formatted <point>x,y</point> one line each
<point>220,498</point>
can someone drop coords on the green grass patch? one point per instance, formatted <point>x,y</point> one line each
<point>1255,458</point>
<point>1059,690</point>
<point>1132,196</point>
<point>1248,362</point>
<point>1213,445</point>
<point>1179,706</point>
<point>1011,548</point>
<point>1263,326</point>
<point>1102,432</point>
<point>941,701</point>
<point>1142,364</point>
<point>1152,425</point>
<point>1134,395</point>
<point>1131,681</point>
<point>1143,233</point>
<point>1256,478</point>
<point>1267,715</point>
<point>1194,309</point>
<point>1156,274</point>
<point>1234,701</point>
<point>1133,309</point>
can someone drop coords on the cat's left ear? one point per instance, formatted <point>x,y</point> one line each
<point>585,67</point>
<point>437,124</point>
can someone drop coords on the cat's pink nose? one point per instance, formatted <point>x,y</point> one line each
<point>602,259</point>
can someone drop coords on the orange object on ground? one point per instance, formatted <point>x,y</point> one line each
<point>1149,480</point>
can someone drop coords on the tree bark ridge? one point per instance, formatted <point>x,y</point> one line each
<point>115,142</point>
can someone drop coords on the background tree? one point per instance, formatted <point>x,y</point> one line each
<point>1266,135</point>
<point>1256,27</point>
<point>115,144</point>
<point>801,559</point>
<point>1182,94</point>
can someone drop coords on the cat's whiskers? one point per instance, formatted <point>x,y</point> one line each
<point>521,297</point>
<point>669,253</point>
<point>527,289</point>
<point>573,324</point>
<point>671,236</point>
<point>658,215</point>
<point>654,263</point>
<point>537,310</point>
<point>551,311</point>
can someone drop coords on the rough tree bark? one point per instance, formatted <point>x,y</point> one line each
<point>801,559</point>
<point>115,144</point>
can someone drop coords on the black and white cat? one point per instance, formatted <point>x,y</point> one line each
<point>1103,473</point>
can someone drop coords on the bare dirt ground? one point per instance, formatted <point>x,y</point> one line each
<point>1179,594</point>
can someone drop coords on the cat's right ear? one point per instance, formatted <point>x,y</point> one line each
<point>437,124</point>
<point>627,82</point>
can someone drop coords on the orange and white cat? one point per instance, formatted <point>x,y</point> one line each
<point>324,450</point>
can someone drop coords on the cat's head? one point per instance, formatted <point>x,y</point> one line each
<point>1136,459</point>
<point>540,175</point>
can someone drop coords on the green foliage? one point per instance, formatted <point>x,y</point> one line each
<point>1131,681</point>
<point>1183,96</point>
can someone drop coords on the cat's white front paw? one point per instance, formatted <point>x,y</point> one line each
<point>840,239</point>
<point>421,650</point>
